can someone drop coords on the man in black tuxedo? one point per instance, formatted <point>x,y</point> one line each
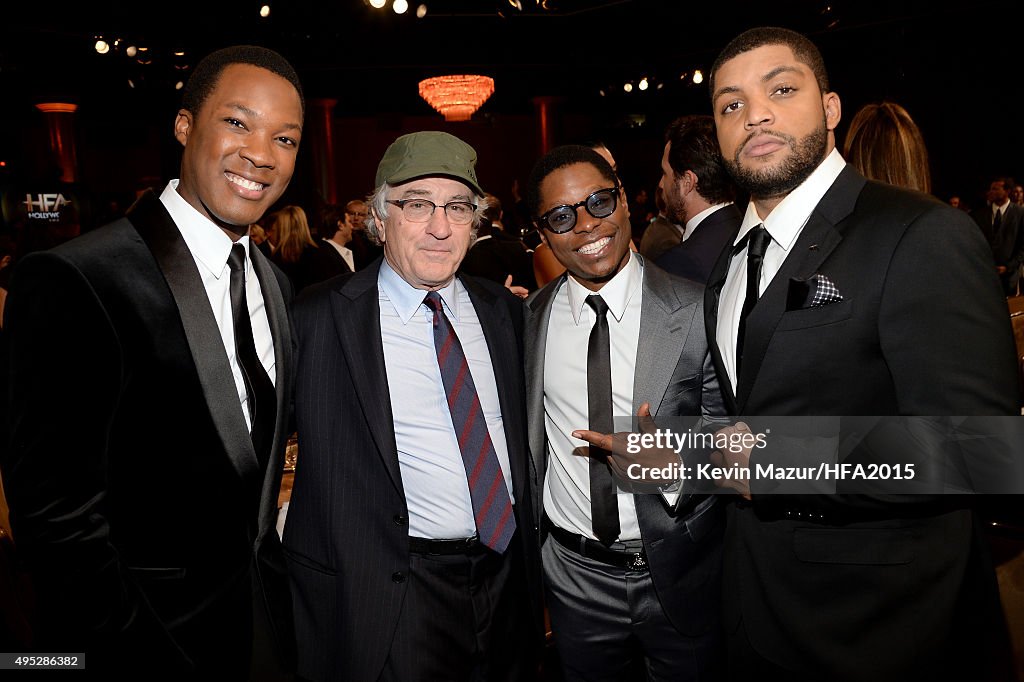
<point>333,258</point>
<point>410,537</point>
<point>1002,223</point>
<point>841,318</point>
<point>698,195</point>
<point>147,404</point>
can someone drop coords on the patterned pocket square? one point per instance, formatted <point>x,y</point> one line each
<point>814,292</point>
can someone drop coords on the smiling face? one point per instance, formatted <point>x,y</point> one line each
<point>426,255</point>
<point>240,146</point>
<point>595,249</point>
<point>774,124</point>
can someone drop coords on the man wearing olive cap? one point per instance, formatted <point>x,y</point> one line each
<point>410,541</point>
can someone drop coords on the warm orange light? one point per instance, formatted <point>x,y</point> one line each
<point>57,107</point>
<point>457,97</point>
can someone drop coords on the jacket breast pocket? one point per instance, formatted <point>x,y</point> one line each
<point>804,318</point>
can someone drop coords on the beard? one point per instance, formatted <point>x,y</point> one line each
<point>805,156</point>
<point>674,207</point>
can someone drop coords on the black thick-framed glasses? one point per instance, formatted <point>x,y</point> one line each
<point>420,210</point>
<point>600,204</point>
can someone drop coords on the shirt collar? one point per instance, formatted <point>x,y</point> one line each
<point>407,299</point>
<point>617,292</point>
<point>696,220</point>
<point>787,220</point>
<point>207,242</point>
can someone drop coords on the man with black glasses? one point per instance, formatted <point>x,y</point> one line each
<point>410,531</point>
<point>631,580</point>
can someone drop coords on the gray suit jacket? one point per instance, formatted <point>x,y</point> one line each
<point>674,373</point>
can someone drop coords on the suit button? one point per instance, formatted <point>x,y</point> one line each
<point>401,520</point>
<point>398,577</point>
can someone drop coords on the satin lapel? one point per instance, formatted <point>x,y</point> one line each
<point>496,323</point>
<point>537,314</point>
<point>814,245</point>
<point>664,324</point>
<point>712,294</point>
<point>356,311</point>
<point>161,235</point>
<point>280,330</point>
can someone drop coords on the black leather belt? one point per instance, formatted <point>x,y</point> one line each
<point>459,546</point>
<point>592,549</point>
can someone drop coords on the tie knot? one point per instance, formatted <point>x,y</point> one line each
<point>236,261</point>
<point>758,241</point>
<point>433,301</point>
<point>597,304</point>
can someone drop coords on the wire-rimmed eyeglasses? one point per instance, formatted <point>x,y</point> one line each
<point>420,210</point>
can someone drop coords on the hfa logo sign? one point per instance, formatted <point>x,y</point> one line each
<point>45,206</point>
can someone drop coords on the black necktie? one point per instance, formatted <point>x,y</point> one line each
<point>757,242</point>
<point>260,390</point>
<point>604,506</point>
<point>997,220</point>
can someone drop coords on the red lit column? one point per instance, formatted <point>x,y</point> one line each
<point>319,139</point>
<point>60,120</point>
<point>548,110</point>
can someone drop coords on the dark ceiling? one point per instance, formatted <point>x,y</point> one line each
<point>951,64</point>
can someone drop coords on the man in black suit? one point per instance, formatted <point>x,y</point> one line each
<point>333,258</point>
<point>497,255</point>
<point>410,537</point>
<point>1002,223</point>
<point>841,318</point>
<point>698,195</point>
<point>147,404</point>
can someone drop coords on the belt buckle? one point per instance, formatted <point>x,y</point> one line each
<point>637,562</point>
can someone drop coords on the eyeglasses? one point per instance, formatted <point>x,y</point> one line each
<point>599,204</point>
<point>420,210</point>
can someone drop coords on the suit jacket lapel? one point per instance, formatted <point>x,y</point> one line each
<point>664,324</point>
<point>814,245</point>
<point>537,314</point>
<point>712,294</point>
<point>164,240</point>
<point>496,323</point>
<point>356,311</point>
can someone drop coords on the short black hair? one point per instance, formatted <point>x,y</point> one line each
<point>803,49</point>
<point>694,147</point>
<point>204,78</point>
<point>560,157</point>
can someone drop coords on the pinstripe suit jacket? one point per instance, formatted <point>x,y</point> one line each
<point>347,535</point>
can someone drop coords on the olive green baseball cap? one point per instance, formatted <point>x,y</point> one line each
<point>427,153</point>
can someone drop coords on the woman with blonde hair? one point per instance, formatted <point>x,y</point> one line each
<point>886,145</point>
<point>295,245</point>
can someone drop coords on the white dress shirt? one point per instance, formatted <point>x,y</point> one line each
<point>433,473</point>
<point>784,224</point>
<point>345,252</point>
<point>567,482</point>
<point>695,221</point>
<point>210,247</point>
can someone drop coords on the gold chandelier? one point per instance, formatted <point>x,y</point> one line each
<point>457,97</point>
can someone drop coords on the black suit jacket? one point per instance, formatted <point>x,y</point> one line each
<point>347,536</point>
<point>325,263</point>
<point>858,587</point>
<point>696,257</point>
<point>136,498</point>
<point>673,372</point>
<point>1007,243</point>
<point>499,256</point>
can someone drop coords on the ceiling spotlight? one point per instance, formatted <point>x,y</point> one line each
<point>101,46</point>
<point>660,86</point>
<point>628,87</point>
<point>421,11</point>
<point>516,4</point>
<point>643,84</point>
<point>698,77</point>
<point>265,11</point>
<point>601,92</point>
<point>143,56</point>
<point>179,85</point>
<point>400,6</point>
<point>377,4</point>
<point>131,83</point>
<point>131,50</point>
